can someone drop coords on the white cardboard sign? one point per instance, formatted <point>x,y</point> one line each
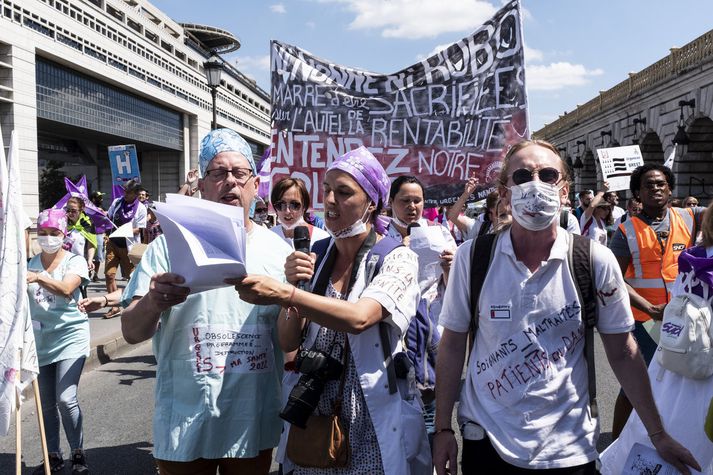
<point>617,163</point>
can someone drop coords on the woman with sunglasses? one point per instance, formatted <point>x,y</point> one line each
<point>61,336</point>
<point>290,199</point>
<point>597,217</point>
<point>355,321</point>
<point>81,238</point>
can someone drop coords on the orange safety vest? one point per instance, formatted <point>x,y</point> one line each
<point>650,271</point>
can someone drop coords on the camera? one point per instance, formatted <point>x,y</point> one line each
<point>317,368</point>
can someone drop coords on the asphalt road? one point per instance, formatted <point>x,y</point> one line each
<point>117,402</point>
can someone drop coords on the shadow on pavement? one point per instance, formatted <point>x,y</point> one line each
<point>128,376</point>
<point>133,459</point>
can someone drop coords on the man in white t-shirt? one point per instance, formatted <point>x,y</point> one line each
<point>525,402</point>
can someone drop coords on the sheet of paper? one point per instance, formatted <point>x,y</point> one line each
<point>428,243</point>
<point>123,231</point>
<point>617,163</point>
<point>205,247</point>
<point>643,460</point>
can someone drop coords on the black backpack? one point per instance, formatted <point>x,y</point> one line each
<point>580,267</point>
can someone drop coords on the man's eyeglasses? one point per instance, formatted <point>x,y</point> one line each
<point>652,185</point>
<point>282,206</point>
<point>220,174</point>
<point>546,175</point>
<point>260,210</point>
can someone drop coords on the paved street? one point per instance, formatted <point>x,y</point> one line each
<point>117,400</point>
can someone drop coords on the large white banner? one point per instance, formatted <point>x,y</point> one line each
<point>617,163</point>
<point>18,356</point>
<point>449,116</point>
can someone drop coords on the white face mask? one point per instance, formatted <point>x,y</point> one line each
<point>356,228</point>
<point>290,227</point>
<point>535,205</point>
<point>400,223</point>
<point>50,244</point>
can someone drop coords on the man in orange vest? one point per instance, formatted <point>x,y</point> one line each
<point>647,248</point>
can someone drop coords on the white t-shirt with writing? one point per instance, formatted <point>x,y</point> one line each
<point>526,383</point>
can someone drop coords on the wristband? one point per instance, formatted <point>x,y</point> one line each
<point>291,309</point>
<point>654,434</point>
<point>446,429</point>
<point>106,301</point>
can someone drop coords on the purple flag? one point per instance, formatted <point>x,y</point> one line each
<point>264,168</point>
<point>98,217</point>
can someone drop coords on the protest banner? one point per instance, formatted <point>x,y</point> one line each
<point>617,163</point>
<point>18,356</point>
<point>99,219</point>
<point>442,119</point>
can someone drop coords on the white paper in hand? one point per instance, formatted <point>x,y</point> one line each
<point>123,231</point>
<point>644,460</point>
<point>205,240</point>
<point>428,243</point>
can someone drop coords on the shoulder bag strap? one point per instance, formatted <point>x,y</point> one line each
<point>580,265</point>
<point>481,254</point>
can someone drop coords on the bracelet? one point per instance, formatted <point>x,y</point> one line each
<point>106,301</point>
<point>446,429</point>
<point>291,309</point>
<point>654,434</point>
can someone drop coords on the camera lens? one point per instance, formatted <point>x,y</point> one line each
<point>302,401</point>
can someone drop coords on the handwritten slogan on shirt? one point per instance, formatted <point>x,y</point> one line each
<point>505,371</point>
<point>223,349</point>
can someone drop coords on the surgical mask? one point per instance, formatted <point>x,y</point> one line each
<point>535,205</point>
<point>290,227</point>
<point>260,217</point>
<point>50,244</point>
<point>398,222</point>
<point>356,228</point>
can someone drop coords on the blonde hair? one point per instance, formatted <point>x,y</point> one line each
<point>707,226</point>
<point>505,169</point>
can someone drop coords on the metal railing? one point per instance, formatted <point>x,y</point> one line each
<point>682,59</point>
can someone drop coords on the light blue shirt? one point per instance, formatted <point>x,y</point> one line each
<point>61,330</point>
<point>219,369</point>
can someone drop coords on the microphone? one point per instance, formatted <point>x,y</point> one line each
<point>410,227</point>
<point>301,242</point>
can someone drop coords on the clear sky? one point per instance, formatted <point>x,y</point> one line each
<point>574,48</point>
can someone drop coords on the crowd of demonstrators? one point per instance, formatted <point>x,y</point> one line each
<point>291,202</point>
<point>205,417</point>
<point>531,410</point>
<point>97,199</point>
<point>365,335</point>
<point>682,399</point>
<point>647,249</point>
<point>406,198</point>
<point>125,209</point>
<point>348,315</point>
<point>61,336</point>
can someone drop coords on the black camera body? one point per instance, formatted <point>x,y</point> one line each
<point>317,367</point>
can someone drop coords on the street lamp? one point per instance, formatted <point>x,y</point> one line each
<point>681,137</point>
<point>213,68</point>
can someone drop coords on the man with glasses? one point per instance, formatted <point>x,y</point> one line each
<point>209,414</point>
<point>690,202</point>
<point>525,404</point>
<point>646,247</point>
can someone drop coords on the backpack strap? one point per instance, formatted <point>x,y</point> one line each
<point>564,218</point>
<point>580,266</point>
<point>481,254</point>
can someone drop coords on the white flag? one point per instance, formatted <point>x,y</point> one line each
<point>18,356</point>
<point>671,157</point>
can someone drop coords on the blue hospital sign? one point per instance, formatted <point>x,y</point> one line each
<point>124,164</point>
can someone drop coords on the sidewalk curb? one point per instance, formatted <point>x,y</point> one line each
<point>106,353</point>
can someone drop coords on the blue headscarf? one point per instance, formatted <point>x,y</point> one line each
<point>224,140</point>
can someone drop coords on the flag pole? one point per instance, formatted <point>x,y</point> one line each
<point>41,422</point>
<point>18,434</point>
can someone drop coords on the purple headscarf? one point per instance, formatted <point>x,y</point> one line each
<point>361,165</point>
<point>53,218</point>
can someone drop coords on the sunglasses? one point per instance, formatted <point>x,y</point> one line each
<point>71,210</point>
<point>546,175</point>
<point>282,206</point>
